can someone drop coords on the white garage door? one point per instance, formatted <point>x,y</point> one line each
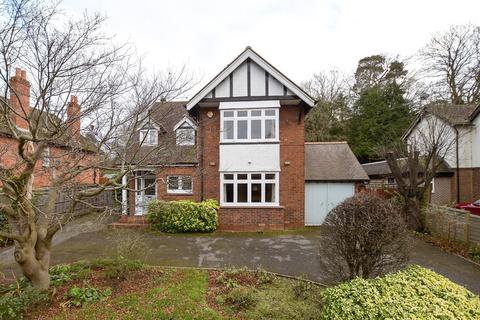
<point>321,197</point>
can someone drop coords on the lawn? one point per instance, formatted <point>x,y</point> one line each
<point>109,289</point>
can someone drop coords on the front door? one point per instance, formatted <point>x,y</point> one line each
<point>146,191</point>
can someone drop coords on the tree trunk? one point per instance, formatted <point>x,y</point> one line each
<point>34,262</point>
<point>414,214</point>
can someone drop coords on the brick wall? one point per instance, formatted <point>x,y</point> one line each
<point>469,184</point>
<point>292,184</point>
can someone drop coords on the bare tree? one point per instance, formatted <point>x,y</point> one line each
<point>75,72</point>
<point>452,60</point>
<point>364,236</point>
<point>415,162</point>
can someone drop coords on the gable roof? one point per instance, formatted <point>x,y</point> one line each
<point>332,161</point>
<point>453,114</point>
<point>249,53</point>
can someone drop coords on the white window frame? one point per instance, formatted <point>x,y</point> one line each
<point>145,141</point>
<point>263,117</point>
<point>46,158</point>
<point>180,185</point>
<point>249,181</point>
<point>433,184</point>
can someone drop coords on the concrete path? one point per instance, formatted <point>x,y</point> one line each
<point>293,253</point>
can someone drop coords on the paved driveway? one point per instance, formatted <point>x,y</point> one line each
<point>293,253</point>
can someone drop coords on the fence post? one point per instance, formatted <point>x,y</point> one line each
<point>467,228</point>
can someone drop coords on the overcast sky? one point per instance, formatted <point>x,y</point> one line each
<point>298,37</point>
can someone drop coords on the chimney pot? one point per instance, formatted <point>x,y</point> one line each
<point>18,72</point>
<point>24,74</point>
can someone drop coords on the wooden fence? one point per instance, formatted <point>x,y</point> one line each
<point>105,199</point>
<point>453,224</point>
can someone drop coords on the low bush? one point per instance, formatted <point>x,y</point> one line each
<point>183,216</point>
<point>15,303</point>
<point>79,296</point>
<point>413,293</point>
<point>241,298</point>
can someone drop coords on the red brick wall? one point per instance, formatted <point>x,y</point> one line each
<point>469,184</point>
<point>292,165</point>
<point>292,184</point>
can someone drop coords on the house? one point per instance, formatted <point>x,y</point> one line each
<point>461,132</point>
<point>381,178</point>
<point>240,140</point>
<point>58,149</point>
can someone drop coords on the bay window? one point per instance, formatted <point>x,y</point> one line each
<point>238,189</point>
<point>252,125</point>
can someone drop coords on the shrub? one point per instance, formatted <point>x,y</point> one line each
<point>302,289</point>
<point>183,216</point>
<point>78,296</point>
<point>413,293</point>
<point>15,303</point>
<point>364,236</point>
<point>241,298</point>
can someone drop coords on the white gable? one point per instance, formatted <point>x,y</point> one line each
<point>250,75</point>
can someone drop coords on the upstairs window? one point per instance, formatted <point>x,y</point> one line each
<point>252,125</point>
<point>149,137</point>
<point>179,184</point>
<point>185,136</point>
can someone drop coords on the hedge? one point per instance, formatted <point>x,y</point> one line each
<point>413,293</point>
<point>183,216</point>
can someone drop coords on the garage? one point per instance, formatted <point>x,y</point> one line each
<point>331,173</point>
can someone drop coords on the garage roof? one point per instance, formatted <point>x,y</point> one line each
<point>332,161</point>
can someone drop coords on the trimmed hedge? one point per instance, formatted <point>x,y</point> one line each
<point>183,216</point>
<point>413,293</point>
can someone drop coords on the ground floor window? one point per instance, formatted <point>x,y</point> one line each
<point>259,188</point>
<point>179,184</point>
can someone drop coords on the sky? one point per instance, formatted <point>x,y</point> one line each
<point>299,37</point>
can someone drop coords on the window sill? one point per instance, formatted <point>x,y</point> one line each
<point>250,206</point>
<point>251,142</point>
<point>180,193</point>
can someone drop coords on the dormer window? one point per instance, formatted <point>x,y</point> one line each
<point>149,137</point>
<point>185,132</point>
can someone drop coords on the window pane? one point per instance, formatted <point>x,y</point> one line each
<point>270,112</point>
<point>228,114</point>
<point>256,192</point>
<point>269,129</point>
<point>173,183</point>
<point>242,129</point>
<point>228,129</point>
<point>242,113</point>
<point>242,192</point>
<point>228,176</point>
<point>149,186</point>
<point>269,192</point>
<point>186,183</point>
<point>270,176</point>
<point>256,130</point>
<point>256,176</point>
<point>256,113</point>
<point>185,137</point>
<point>228,192</point>
<point>242,176</point>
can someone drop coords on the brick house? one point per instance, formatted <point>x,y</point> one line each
<point>239,140</point>
<point>463,159</point>
<point>56,150</point>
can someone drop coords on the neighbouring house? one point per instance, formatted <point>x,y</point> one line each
<point>240,140</point>
<point>382,179</point>
<point>56,150</point>
<point>463,124</point>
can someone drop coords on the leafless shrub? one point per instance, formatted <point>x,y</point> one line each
<point>364,236</point>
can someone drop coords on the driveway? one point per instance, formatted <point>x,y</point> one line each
<point>293,253</point>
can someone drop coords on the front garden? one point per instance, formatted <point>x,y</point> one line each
<point>127,289</point>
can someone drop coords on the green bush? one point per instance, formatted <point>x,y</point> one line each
<point>15,303</point>
<point>78,296</point>
<point>413,293</point>
<point>183,216</point>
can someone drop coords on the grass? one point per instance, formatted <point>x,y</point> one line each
<point>146,292</point>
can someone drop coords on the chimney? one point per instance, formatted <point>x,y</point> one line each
<point>20,98</point>
<point>73,117</point>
